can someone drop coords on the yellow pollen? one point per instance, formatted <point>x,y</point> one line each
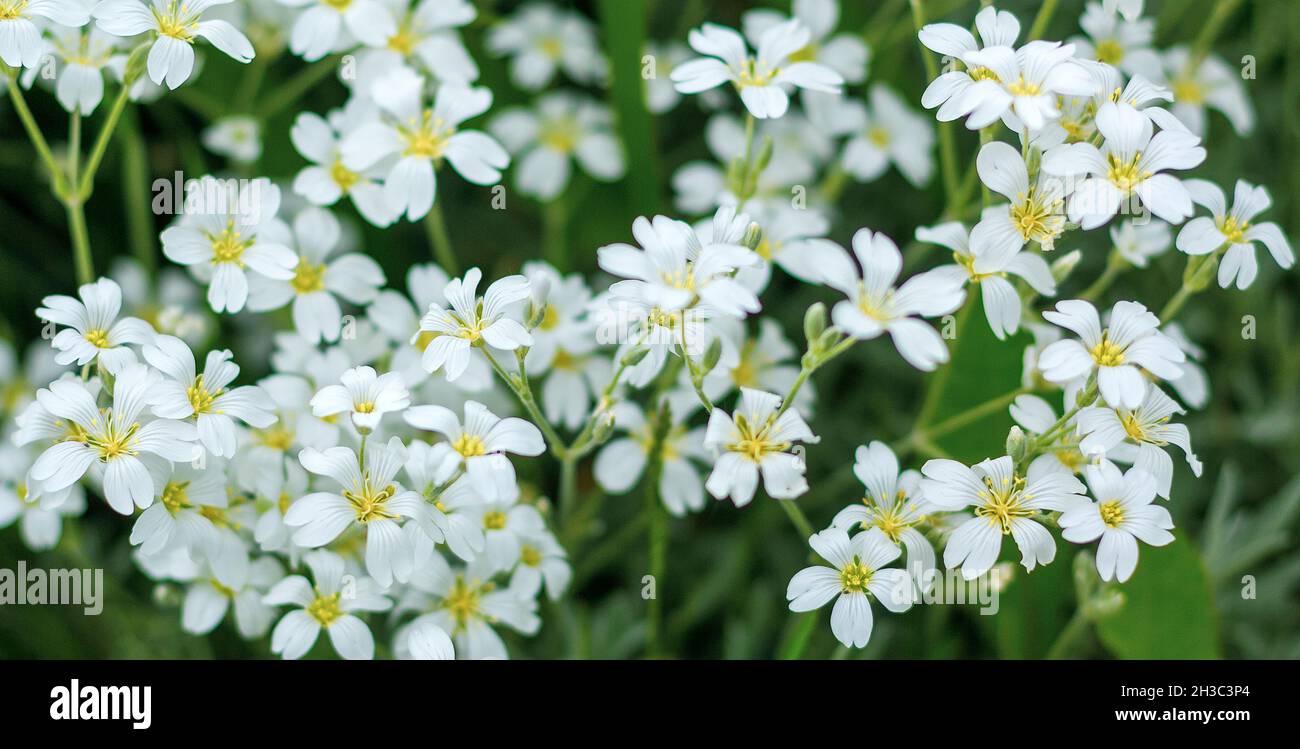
<point>176,22</point>
<point>307,277</point>
<point>200,399</point>
<point>368,502</point>
<point>276,438</point>
<point>404,41</point>
<point>1112,513</point>
<point>565,361</point>
<point>1186,89</point>
<point>174,497</point>
<point>469,445</point>
<point>339,5</point>
<point>754,443</point>
<point>1132,427</point>
<point>752,75</point>
<point>1106,353</point>
<point>1125,175</point>
<point>550,318</point>
<point>462,601</point>
<point>364,408</point>
<point>530,556</point>
<point>1034,219</point>
<point>216,515</point>
<point>228,246</point>
<point>551,47</point>
<point>876,309</point>
<point>494,520</point>
<point>1003,504</point>
<point>1233,231</point>
<point>1109,51</point>
<point>11,11</point>
<point>114,440</point>
<point>325,609</point>
<point>878,136</point>
<point>428,138</point>
<point>560,136</point>
<point>680,279</point>
<point>97,337</point>
<point>855,577</point>
<point>983,74</point>
<point>343,177</point>
<point>1021,87</point>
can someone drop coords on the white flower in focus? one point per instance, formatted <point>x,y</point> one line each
<point>539,39</point>
<point>988,264</point>
<point>176,23</point>
<point>1130,164</point>
<point>238,137</point>
<point>1130,340</point>
<point>1139,436</point>
<point>846,53</point>
<point>1234,230</point>
<point>893,504</point>
<point>187,496</point>
<point>875,306</point>
<point>327,180</point>
<point>564,127</point>
<point>763,80</point>
<point>466,604</point>
<point>858,569</point>
<point>92,330</point>
<point>492,320</point>
<point>184,393</point>
<point>219,246</point>
<point>428,468</point>
<point>1121,516</point>
<point>365,395</point>
<point>1037,418</point>
<point>421,138</point>
<point>324,605</point>
<point>111,439</point>
<point>954,91</point>
<point>21,45</point>
<point>318,278</point>
<point>757,438</point>
<point>1035,213</point>
<point>1005,504</point>
<point>481,444</point>
<point>367,496</point>
<point>318,29</point>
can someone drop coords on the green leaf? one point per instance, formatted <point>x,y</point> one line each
<point>623,23</point>
<point>1168,608</point>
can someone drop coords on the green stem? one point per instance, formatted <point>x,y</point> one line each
<point>809,368</point>
<point>1175,303</point>
<point>833,185</point>
<point>34,133</point>
<point>568,487</point>
<point>523,391</point>
<point>1209,32</point>
<point>797,517</point>
<point>657,536</point>
<point>293,89</point>
<point>435,226</point>
<point>135,180</point>
<point>1041,20</point>
<point>1070,638</point>
<point>80,241</point>
<point>555,219</point>
<point>87,182</point>
<point>1115,264</point>
<point>940,380</point>
<point>797,641</point>
<point>974,413</point>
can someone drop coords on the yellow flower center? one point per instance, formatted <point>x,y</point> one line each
<point>404,41</point>
<point>469,445</point>
<point>343,177</point>
<point>1186,89</point>
<point>1132,427</point>
<point>1037,219</point>
<point>1106,353</point>
<point>200,399</point>
<point>174,496</point>
<point>368,501</point>
<point>494,520</point>
<point>325,609</point>
<point>175,22</point>
<point>559,136</point>
<point>876,309</point>
<point>878,136</point>
<point>855,577</point>
<point>1021,87</point>
<point>97,337</point>
<point>755,441</point>
<point>1233,231</point>
<point>308,278</point>
<point>753,75</point>
<point>276,438</point>
<point>982,73</point>
<point>1110,51</point>
<point>1112,513</point>
<point>338,5</point>
<point>550,318</point>
<point>229,245</point>
<point>1004,502</point>
<point>530,556</point>
<point>1126,175</point>
<point>551,47</point>
<point>114,440</point>
<point>564,361</point>
<point>428,138</point>
<point>462,601</point>
<point>10,11</point>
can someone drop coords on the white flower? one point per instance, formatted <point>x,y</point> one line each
<point>467,604</point>
<point>1129,164</point>
<point>1037,417</point>
<point>424,641</point>
<point>1139,436</point>
<point>368,497</point>
<point>324,605</point>
<point>481,444</point>
<point>893,504</point>
<point>421,138</point>
<point>875,306</point>
<point>1036,212</point>
<point>1025,83</point>
<point>564,127</point>
<point>1139,242</point>
<point>1121,516</point>
<point>39,514</point>
<point>112,439</point>
<point>85,54</point>
<point>427,468</point>
<point>891,133</point>
<point>673,269</point>
<point>177,24</point>
<point>208,600</point>
<point>1118,40</point>
<point>767,361</point>
<point>365,395</point>
<point>846,54</point>
<point>327,179</point>
<point>956,92</point>
<point>1194,386</point>
<point>238,137</point>
<point>763,80</point>
<point>21,45</point>
<point>92,330</point>
<point>541,560</point>
<point>493,320</point>
<point>858,568</point>
<point>758,438</point>
<point>987,263</point>
<point>218,247</point>
<point>1214,84</point>
<point>505,523</point>
<point>540,38</point>
<point>620,463</point>
<point>180,519</point>
<point>1005,504</point>
<point>318,278</point>
<point>424,33</point>
<point>317,30</point>
<point>1115,353</point>
<point>1234,230</point>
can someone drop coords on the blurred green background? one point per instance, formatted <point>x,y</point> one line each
<point>723,593</point>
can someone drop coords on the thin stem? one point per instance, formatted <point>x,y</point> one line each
<point>435,226</point>
<point>1115,264</point>
<point>833,185</point>
<point>520,386</point>
<point>87,183</point>
<point>555,219</point>
<point>135,178</point>
<point>807,370</point>
<point>1175,303</point>
<point>35,134</point>
<point>1041,20</point>
<point>940,379</point>
<point>975,413</point>
<point>80,241</point>
<point>797,517</point>
<point>568,487</point>
<point>1068,641</point>
<point>657,536</point>
<point>1209,32</point>
<point>797,641</point>
<point>697,377</point>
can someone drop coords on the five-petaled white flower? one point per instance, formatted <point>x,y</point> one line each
<point>858,568</point>
<point>365,395</point>
<point>21,45</point>
<point>1139,436</point>
<point>1121,516</point>
<point>327,179</point>
<point>564,127</point>
<point>318,29</point>
<point>1025,83</point>
<point>93,331</point>
<point>184,393</point>
<point>1005,504</point>
<point>111,439</point>
<point>875,306</point>
<point>893,504</point>
<point>492,320</point>
<point>540,38</point>
<point>480,444</point>
<point>1130,340</point>
<point>1233,229</point>
<point>177,24</point>
<point>956,92</point>
<point>326,604</point>
<point>763,80</point>
<point>846,53</point>
<point>759,437</point>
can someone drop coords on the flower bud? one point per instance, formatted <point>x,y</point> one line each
<point>1063,266</point>
<point>711,356</point>
<point>814,322</point>
<point>1017,445</point>
<point>634,356</point>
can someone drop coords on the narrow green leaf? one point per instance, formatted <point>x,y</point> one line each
<point>624,25</point>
